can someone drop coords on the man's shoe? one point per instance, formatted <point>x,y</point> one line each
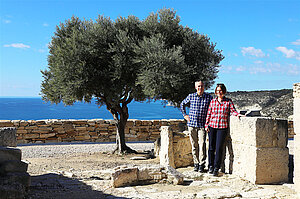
<point>196,167</point>
<point>201,169</point>
<point>216,172</point>
<point>210,170</point>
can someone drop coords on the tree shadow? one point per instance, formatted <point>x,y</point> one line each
<point>55,186</point>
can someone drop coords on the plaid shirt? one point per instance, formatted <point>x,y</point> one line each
<point>198,108</point>
<point>218,113</point>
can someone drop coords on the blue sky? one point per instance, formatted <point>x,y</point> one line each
<point>260,39</point>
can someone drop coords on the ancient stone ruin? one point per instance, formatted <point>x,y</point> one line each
<point>258,146</point>
<point>125,176</point>
<point>296,95</point>
<point>14,179</point>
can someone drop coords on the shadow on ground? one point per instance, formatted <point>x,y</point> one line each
<point>291,168</point>
<point>57,186</point>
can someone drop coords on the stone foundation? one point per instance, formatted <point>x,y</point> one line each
<point>296,117</point>
<point>14,179</point>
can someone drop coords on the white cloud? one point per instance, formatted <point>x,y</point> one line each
<point>240,69</point>
<point>289,53</point>
<point>259,67</point>
<point>6,21</point>
<point>293,69</point>
<point>252,51</point>
<point>17,45</point>
<point>45,24</point>
<point>255,70</point>
<point>297,42</point>
<point>225,69</point>
<point>258,62</point>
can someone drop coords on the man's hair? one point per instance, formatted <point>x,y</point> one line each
<point>200,81</point>
<point>223,88</point>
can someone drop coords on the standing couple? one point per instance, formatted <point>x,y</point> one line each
<point>211,115</point>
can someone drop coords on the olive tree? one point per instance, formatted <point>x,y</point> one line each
<point>128,59</point>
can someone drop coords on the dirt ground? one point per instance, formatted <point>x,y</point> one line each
<point>88,176</point>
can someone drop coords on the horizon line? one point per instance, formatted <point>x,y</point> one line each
<point>205,91</point>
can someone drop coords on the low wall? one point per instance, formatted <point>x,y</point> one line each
<point>96,130</point>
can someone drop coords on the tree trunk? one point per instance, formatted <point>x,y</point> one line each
<point>120,125</point>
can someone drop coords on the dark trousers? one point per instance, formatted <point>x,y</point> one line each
<point>215,150</point>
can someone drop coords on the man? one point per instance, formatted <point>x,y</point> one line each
<point>198,103</point>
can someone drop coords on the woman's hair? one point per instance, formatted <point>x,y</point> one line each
<point>223,88</point>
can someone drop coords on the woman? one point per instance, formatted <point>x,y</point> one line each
<point>217,122</point>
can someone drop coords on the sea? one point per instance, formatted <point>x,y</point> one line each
<point>37,109</point>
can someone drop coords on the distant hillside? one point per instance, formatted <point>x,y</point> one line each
<point>275,103</point>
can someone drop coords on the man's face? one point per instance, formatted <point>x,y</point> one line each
<point>199,86</point>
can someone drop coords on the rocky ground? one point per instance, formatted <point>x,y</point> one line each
<point>84,170</point>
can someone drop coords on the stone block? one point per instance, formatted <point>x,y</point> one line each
<point>166,155</point>
<point>12,191</point>
<point>297,161</point>
<point>31,135</point>
<point>296,90</point>
<point>8,137</point>
<point>261,165</point>
<point>47,135</point>
<point>272,165</point>
<point>149,174</point>
<point>182,151</point>
<point>259,131</point>
<point>6,123</point>
<point>174,176</point>
<point>21,131</point>
<point>124,176</point>
<point>10,154</point>
<point>296,116</point>
<point>22,178</point>
<point>13,166</point>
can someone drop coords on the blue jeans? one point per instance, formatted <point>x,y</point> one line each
<point>215,150</point>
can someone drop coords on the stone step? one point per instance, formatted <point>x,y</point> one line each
<point>11,178</point>
<point>12,191</point>
<point>13,166</point>
<point>7,153</point>
<point>8,136</point>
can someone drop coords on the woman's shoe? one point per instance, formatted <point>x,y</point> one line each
<point>201,169</point>
<point>196,167</point>
<point>216,172</point>
<point>210,170</point>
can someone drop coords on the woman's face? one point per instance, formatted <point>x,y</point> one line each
<point>219,92</point>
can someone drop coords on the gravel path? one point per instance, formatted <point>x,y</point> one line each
<point>62,149</point>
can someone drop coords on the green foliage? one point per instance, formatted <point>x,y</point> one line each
<point>118,61</point>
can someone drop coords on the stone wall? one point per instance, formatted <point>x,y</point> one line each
<point>296,117</point>
<point>97,130</point>
<point>14,179</point>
